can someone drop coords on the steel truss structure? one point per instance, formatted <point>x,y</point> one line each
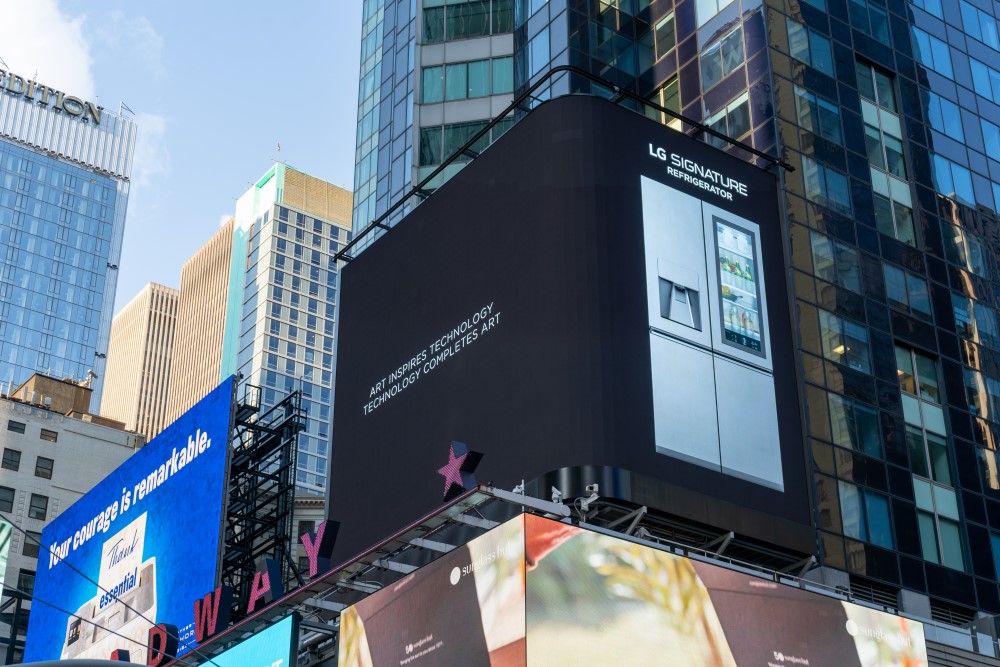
<point>261,490</point>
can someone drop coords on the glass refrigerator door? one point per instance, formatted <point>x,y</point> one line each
<point>739,287</point>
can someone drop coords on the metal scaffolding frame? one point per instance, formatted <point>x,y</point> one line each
<point>261,490</point>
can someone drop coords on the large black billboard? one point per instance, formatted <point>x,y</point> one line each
<point>595,292</point>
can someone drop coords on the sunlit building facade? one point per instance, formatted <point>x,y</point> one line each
<point>888,114</point>
<point>64,184</point>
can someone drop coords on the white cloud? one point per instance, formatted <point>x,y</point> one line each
<point>224,218</point>
<point>61,58</point>
<point>152,158</point>
<point>133,37</point>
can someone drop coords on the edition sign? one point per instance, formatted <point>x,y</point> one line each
<point>45,96</point>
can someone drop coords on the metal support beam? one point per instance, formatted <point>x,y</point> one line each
<point>538,504</point>
<point>402,568</point>
<point>440,547</point>
<point>800,568</point>
<point>723,542</point>
<point>475,521</point>
<point>636,517</point>
<point>323,604</point>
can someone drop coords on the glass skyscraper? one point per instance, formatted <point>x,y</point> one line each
<point>420,99</point>
<point>889,112</point>
<point>280,319</point>
<point>64,182</point>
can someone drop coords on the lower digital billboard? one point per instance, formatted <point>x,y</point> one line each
<point>540,592</point>
<point>140,547</point>
<point>466,608</point>
<point>594,291</point>
<point>275,646</point>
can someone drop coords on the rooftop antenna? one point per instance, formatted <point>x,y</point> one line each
<point>122,108</point>
<point>4,63</point>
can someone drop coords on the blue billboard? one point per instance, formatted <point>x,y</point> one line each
<point>277,646</point>
<point>140,547</point>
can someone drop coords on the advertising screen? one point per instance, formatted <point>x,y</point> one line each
<point>594,292</point>
<point>466,608</point>
<point>629,602</point>
<point>277,646</point>
<point>539,592</point>
<point>140,547</point>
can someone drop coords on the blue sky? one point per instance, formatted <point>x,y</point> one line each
<point>215,85</point>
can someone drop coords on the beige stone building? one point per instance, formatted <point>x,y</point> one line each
<point>139,360</point>
<point>201,319</point>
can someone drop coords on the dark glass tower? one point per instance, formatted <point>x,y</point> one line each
<point>889,113</point>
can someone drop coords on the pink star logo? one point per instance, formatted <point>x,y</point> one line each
<point>457,472</point>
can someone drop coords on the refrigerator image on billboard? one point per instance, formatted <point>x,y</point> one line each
<point>713,388</point>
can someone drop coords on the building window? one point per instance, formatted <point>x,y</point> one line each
<point>32,541</point>
<point>38,507</point>
<point>306,527</point>
<point>965,318</point>
<point>876,86</point>
<point>432,84</point>
<point>943,115</point>
<point>927,442</point>
<point>706,9</point>
<point>894,218</point>
<point>6,499</point>
<point>932,7</point>
<point>43,467</point>
<point>438,143</point>
<point>844,342</point>
<point>865,515</point>
<point>722,58</point>
<point>932,52</point>
<point>854,425</point>
<point>979,25</point>
<point>952,180</point>
<point>869,19</point>
<point>48,436</point>
<point>963,249</point>
<point>664,36</point>
<point>884,146</point>
<point>465,18</point>
<point>459,81</point>
<point>538,53</point>
<point>983,393</point>
<point>818,115</point>
<point>825,185</point>
<point>26,581</point>
<point>732,121</point>
<point>15,427</point>
<point>503,75</point>
<point>667,97</point>
<point>907,292</point>
<point>835,262</point>
<point>809,47</point>
<point>11,459</point>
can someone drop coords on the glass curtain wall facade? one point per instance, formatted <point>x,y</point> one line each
<point>888,110</point>
<point>433,73</point>
<point>283,293</point>
<point>63,192</point>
